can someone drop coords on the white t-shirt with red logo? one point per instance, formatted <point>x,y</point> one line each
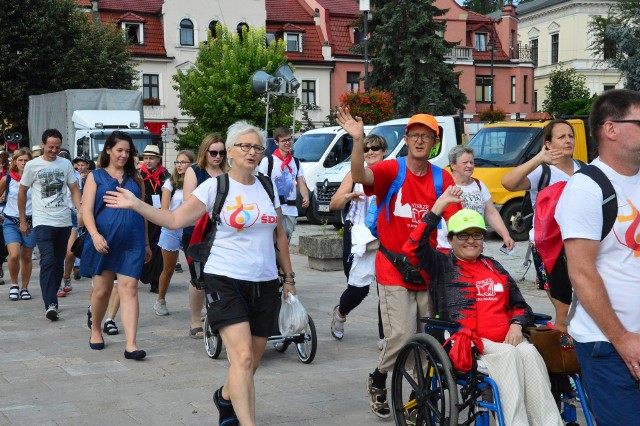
<point>243,247</point>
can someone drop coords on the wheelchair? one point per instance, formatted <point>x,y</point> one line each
<point>305,342</point>
<point>427,390</point>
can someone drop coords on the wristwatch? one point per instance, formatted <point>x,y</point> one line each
<point>289,274</point>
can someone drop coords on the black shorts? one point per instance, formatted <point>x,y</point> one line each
<point>231,301</point>
<point>558,280</point>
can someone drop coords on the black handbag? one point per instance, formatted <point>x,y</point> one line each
<point>78,245</point>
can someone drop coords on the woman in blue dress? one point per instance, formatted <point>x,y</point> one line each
<point>117,241</point>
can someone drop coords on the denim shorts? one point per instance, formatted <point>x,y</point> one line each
<point>170,240</point>
<point>74,219</point>
<point>12,234</point>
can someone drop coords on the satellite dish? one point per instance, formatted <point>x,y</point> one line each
<point>286,73</point>
<point>262,82</point>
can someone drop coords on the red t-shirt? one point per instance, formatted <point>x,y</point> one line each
<point>415,198</point>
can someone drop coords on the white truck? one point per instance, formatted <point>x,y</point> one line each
<point>86,117</point>
<point>393,131</point>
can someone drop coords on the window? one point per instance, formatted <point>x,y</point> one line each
<point>534,52</point>
<point>609,49</point>
<point>513,89</point>
<point>525,87</point>
<point>150,86</point>
<point>555,44</point>
<point>212,28</point>
<point>186,32</point>
<point>309,92</point>
<point>271,37</point>
<point>353,81</point>
<point>483,89</point>
<point>535,101</point>
<point>133,32</point>
<point>609,87</point>
<point>294,42</point>
<point>357,36</point>
<point>481,42</point>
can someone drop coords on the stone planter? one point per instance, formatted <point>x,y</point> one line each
<point>323,251</point>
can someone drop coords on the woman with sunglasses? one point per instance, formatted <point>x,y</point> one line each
<point>241,276</point>
<point>359,268</point>
<point>211,162</point>
<point>479,293</point>
<point>169,242</point>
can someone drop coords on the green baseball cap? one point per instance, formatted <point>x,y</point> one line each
<point>466,219</point>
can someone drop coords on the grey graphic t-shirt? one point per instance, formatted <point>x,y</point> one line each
<point>47,180</point>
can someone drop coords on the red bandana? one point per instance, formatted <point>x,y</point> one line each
<point>154,176</point>
<point>15,176</point>
<point>285,161</point>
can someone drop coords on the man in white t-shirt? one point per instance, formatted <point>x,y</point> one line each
<point>47,177</point>
<point>606,274</point>
<point>285,172</point>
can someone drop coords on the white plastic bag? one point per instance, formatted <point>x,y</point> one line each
<point>293,316</point>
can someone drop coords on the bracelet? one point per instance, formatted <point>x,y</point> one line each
<point>290,282</point>
<point>290,274</point>
<point>91,235</point>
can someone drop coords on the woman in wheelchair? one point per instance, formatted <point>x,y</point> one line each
<point>479,293</point>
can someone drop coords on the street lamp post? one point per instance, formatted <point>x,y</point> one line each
<point>492,47</point>
<point>364,7</point>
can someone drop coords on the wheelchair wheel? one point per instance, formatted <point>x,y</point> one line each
<point>307,350</point>
<point>212,341</point>
<point>423,389</point>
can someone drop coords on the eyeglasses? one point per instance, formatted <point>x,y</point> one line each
<point>464,236</point>
<point>289,140</point>
<point>215,153</point>
<point>181,162</point>
<point>637,122</point>
<point>425,137</point>
<point>246,147</point>
<point>374,148</point>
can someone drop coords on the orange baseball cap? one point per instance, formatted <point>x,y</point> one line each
<point>426,119</point>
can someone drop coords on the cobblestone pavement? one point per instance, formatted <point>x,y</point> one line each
<point>49,376</point>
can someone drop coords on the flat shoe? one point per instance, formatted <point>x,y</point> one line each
<point>138,354</point>
<point>96,346</point>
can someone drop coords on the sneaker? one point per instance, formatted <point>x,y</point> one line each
<point>67,286</point>
<point>76,273</point>
<point>52,312</point>
<point>179,268</point>
<point>161,308</point>
<point>227,415</point>
<point>14,293</point>
<point>378,400</point>
<point>337,324</point>
<point>61,292</point>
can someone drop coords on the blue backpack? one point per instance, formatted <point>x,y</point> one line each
<point>395,188</point>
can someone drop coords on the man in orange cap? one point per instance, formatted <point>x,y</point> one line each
<point>403,295</point>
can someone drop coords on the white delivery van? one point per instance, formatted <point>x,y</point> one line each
<point>393,131</point>
<point>318,150</point>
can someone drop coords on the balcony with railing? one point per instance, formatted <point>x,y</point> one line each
<point>459,54</point>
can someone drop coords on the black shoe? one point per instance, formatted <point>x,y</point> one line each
<point>153,289</point>
<point>96,346</point>
<point>225,408</point>
<point>179,268</point>
<point>137,355</point>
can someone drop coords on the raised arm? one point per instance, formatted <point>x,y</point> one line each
<point>516,178</point>
<point>355,128</point>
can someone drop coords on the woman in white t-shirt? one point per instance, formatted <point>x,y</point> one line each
<point>475,196</point>
<point>241,276</point>
<point>557,153</point>
<point>170,240</point>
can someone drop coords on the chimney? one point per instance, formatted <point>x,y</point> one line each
<point>509,10</point>
<point>94,5</point>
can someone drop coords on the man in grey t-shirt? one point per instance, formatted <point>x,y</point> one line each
<point>47,176</point>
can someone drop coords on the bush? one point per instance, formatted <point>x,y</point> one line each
<point>374,106</point>
<point>495,115</point>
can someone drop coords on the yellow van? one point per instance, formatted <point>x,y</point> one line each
<point>501,146</point>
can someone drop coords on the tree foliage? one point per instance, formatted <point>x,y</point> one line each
<point>488,6</point>
<point>616,40</point>
<point>564,85</point>
<point>408,51</point>
<point>217,91</point>
<point>51,45</point>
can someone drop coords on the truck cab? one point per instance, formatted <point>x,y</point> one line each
<point>501,146</point>
<point>93,127</point>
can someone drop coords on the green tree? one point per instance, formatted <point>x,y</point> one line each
<point>407,51</point>
<point>217,91</point>
<point>488,6</point>
<point>51,45</point>
<point>616,40</point>
<point>564,85</point>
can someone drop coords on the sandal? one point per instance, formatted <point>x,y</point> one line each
<point>196,333</point>
<point>24,294</point>
<point>110,328</point>
<point>378,400</point>
<point>14,293</point>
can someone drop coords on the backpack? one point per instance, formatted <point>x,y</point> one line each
<point>199,251</point>
<point>548,238</point>
<point>395,188</point>
<point>526,208</point>
<point>282,198</point>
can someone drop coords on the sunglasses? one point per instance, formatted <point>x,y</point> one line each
<point>374,148</point>
<point>215,153</point>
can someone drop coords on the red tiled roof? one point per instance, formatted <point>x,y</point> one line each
<point>311,43</point>
<point>340,35</point>
<point>288,11</point>
<point>144,6</point>
<point>153,37</point>
<point>83,3</point>
<point>132,17</point>
<point>341,7</point>
<point>291,27</point>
